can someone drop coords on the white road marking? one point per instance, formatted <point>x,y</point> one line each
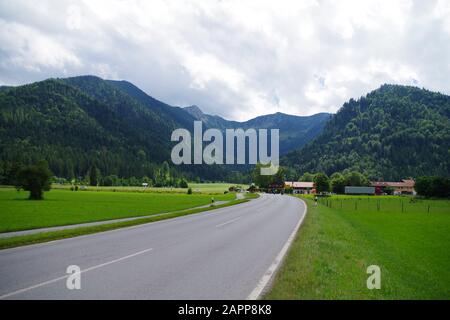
<point>66,276</point>
<point>268,275</point>
<point>228,222</point>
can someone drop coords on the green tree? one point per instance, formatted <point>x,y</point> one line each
<point>423,186</point>
<point>165,171</point>
<point>262,181</point>
<point>307,177</point>
<point>11,173</point>
<point>440,187</point>
<point>433,187</point>
<point>337,182</point>
<point>280,177</point>
<point>183,183</point>
<point>356,179</point>
<point>93,176</point>
<point>35,179</point>
<point>322,182</point>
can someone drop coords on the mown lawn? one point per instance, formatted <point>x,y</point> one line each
<point>334,247</point>
<point>63,207</point>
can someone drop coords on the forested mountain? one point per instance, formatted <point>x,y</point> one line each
<point>180,117</point>
<point>394,132</point>
<point>295,131</point>
<point>74,129</point>
<point>83,122</point>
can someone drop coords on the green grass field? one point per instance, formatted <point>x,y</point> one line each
<point>386,204</point>
<point>40,237</point>
<point>213,187</point>
<point>63,207</point>
<point>334,247</point>
<point>209,188</point>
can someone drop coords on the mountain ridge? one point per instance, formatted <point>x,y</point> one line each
<point>392,133</point>
<point>77,122</point>
<point>295,131</point>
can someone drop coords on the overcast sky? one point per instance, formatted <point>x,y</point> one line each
<point>237,59</point>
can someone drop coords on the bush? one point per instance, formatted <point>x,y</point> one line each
<point>183,184</point>
<point>189,191</point>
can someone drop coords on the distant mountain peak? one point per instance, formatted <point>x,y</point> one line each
<point>195,111</point>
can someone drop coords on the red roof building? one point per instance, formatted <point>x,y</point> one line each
<point>300,187</point>
<point>401,187</point>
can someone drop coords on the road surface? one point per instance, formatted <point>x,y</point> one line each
<point>220,254</point>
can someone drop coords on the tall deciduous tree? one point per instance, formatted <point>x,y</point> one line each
<point>36,179</point>
<point>260,180</point>
<point>337,183</point>
<point>307,177</point>
<point>322,182</point>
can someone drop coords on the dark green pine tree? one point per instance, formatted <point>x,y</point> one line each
<point>93,176</point>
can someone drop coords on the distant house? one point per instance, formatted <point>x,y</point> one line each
<point>300,187</point>
<point>401,187</point>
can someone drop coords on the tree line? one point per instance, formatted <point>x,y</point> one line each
<point>436,187</point>
<point>337,182</point>
<point>323,183</point>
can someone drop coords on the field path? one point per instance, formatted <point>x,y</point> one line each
<point>220,254</point>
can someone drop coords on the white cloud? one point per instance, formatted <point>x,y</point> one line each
<point>205,68</point>
<point>234,58</point>
<point>32,50</point>
<point>74,18</point>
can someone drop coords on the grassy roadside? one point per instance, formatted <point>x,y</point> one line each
<point>330,256</point>
<point>63,207</point>
<point>69,233</point>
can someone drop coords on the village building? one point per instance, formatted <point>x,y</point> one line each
<point>401,187</point>
<point>300,187</point>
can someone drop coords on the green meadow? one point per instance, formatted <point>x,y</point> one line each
<point>64,207</point>
<point>210,188</point>
<point>342,236</point>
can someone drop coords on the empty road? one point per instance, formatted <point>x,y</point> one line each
<point>220,254</point>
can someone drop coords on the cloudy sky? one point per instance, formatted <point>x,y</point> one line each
<point>237,59</point>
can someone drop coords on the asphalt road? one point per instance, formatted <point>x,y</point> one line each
<point>221,254</point>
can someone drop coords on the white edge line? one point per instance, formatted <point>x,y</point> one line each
<point>66,276</point>
<point>268,276</point>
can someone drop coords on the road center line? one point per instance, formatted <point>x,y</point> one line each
<point>228,222</point>
<point>66,276</point>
